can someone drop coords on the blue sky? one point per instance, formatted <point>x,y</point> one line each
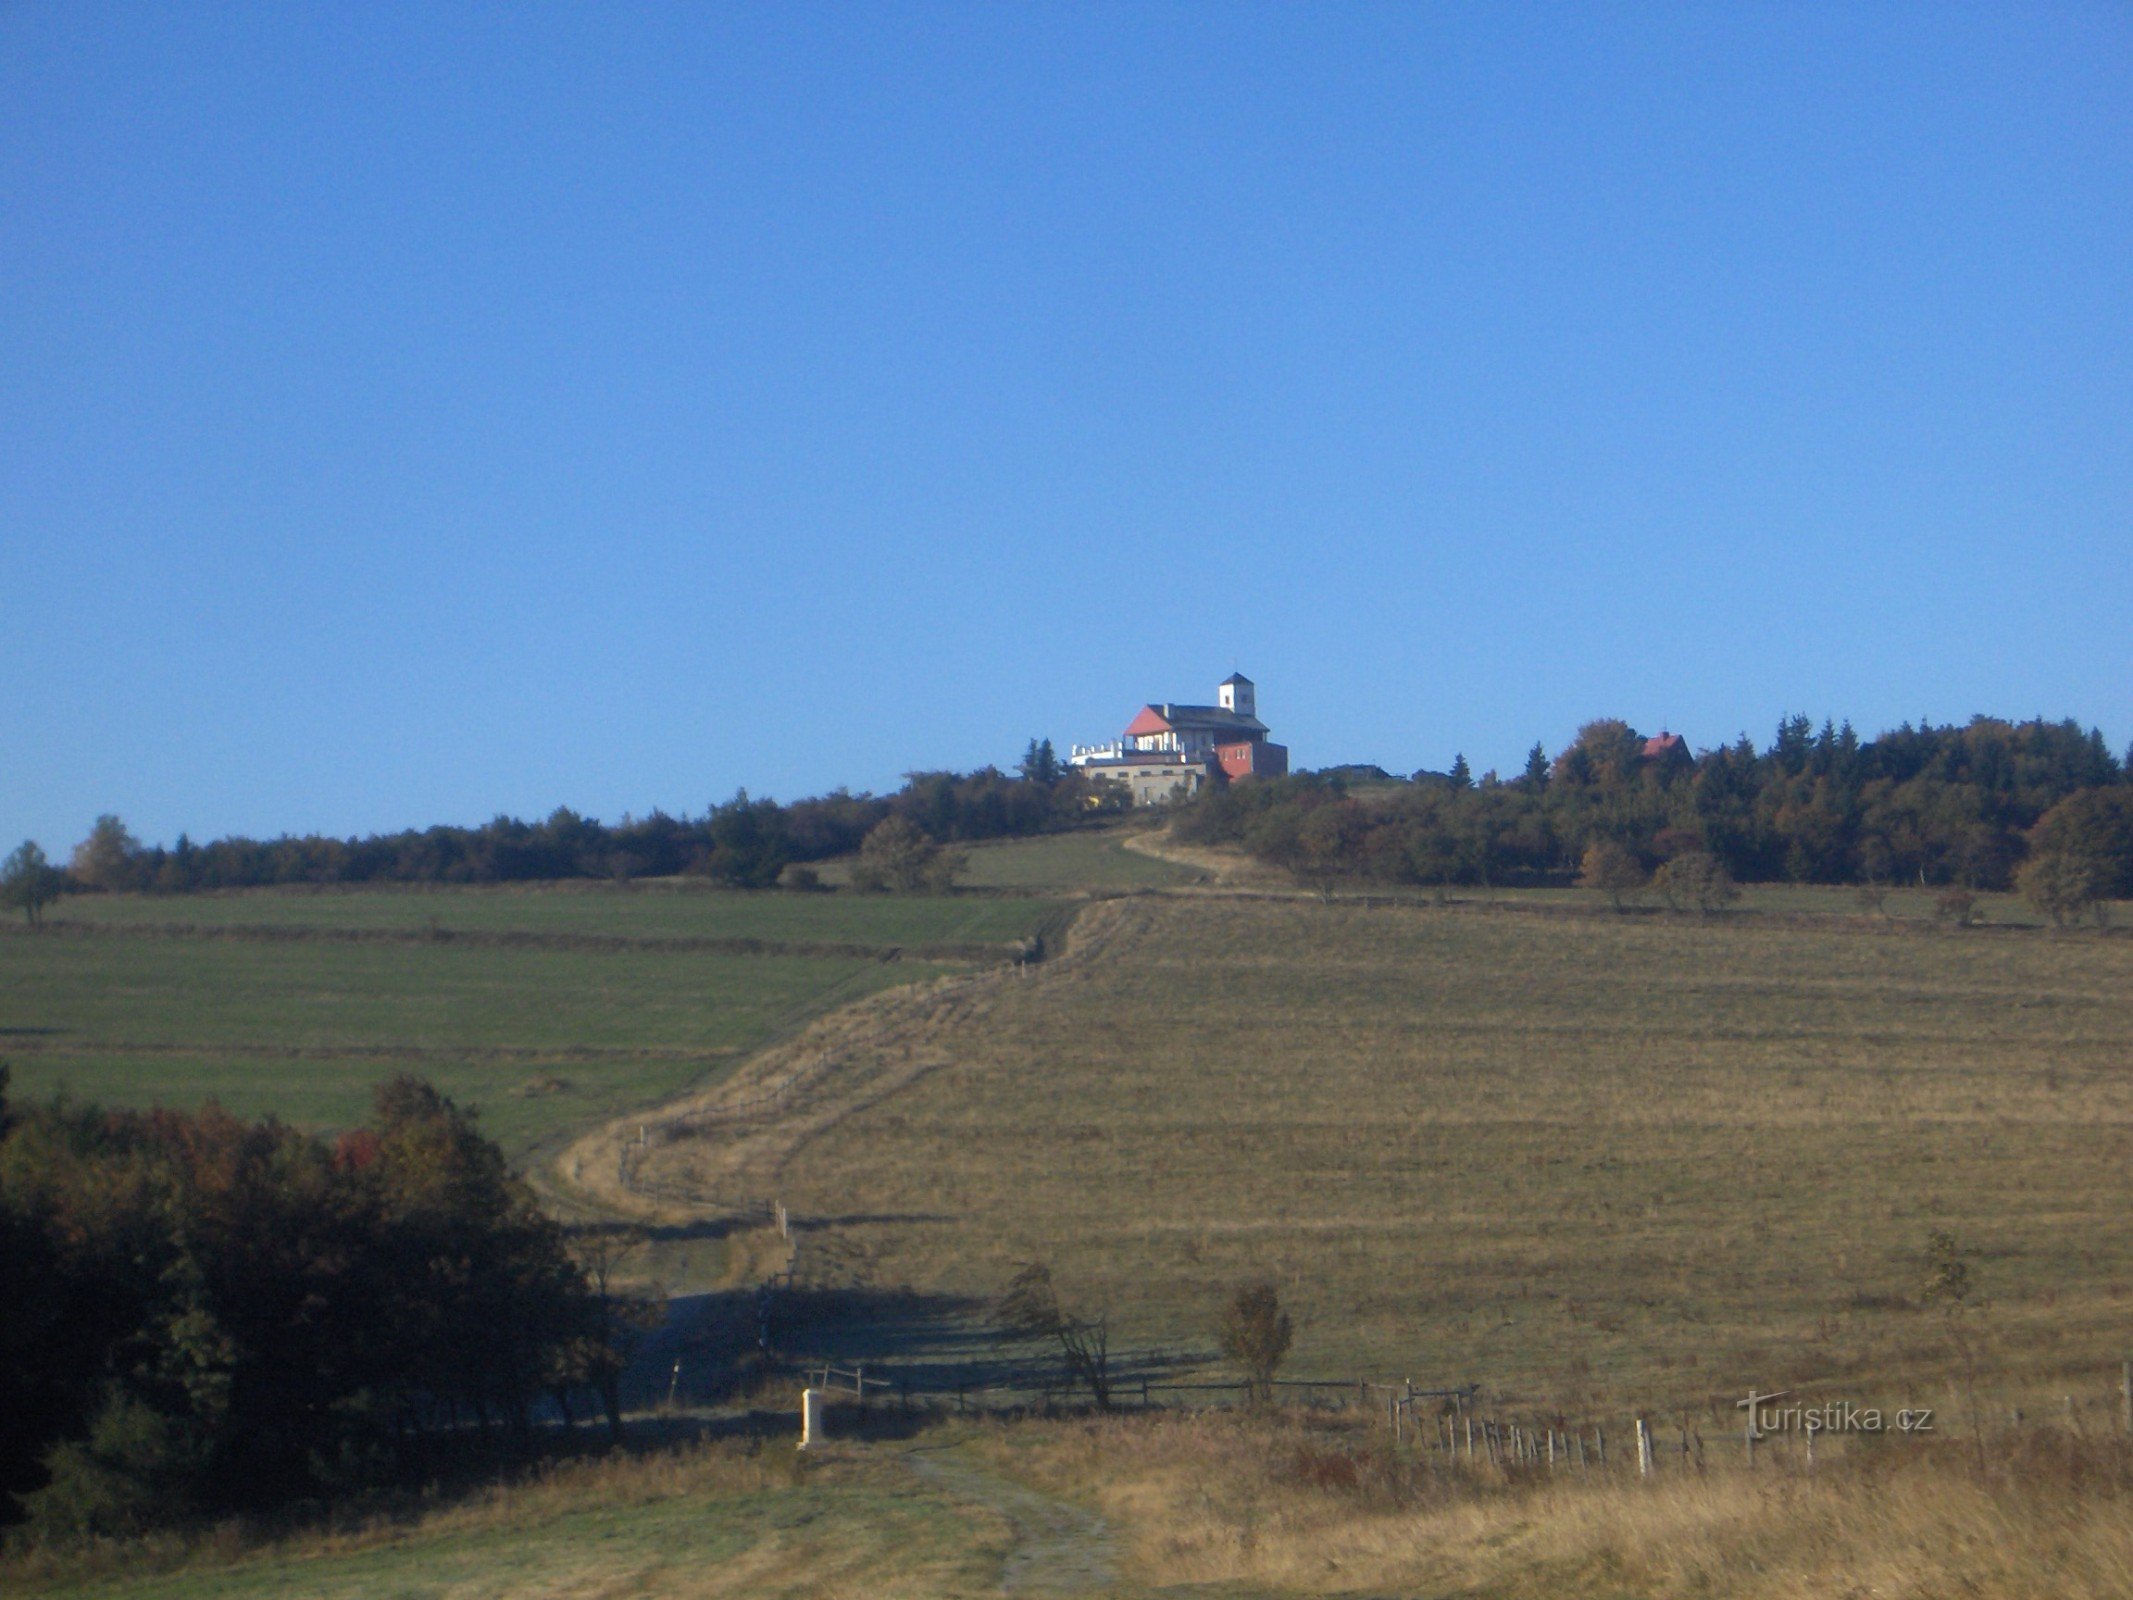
<point>413,413</point>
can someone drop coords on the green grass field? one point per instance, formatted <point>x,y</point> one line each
<point>1090,859</point>
<point>712,1521</point>
<point>661,910</point>
<point>1095,859</point>
<point>545,1040</point>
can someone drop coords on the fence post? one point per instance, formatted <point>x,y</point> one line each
<point>1644,1449</point>
<point>2125,1394</point>
<point>1599,1436</point>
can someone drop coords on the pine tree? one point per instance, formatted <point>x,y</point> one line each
<point>1535,777</point>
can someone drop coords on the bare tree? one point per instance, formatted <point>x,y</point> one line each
<point>1031,1310</point>
<point>1255,1334</point>
<point>616,1320</point>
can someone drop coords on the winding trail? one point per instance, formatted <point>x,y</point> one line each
<point>714,1151</point>
<point>1059,1547</point>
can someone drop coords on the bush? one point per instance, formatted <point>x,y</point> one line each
<point>899,855</point>
<point>1612,870</point>
<point>2060,883</point>
<point>1697,882</point>
<point>130,1474</point>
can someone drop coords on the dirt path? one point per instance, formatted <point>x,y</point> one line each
<point>1059,1547</point>
<point>724,1148</point>
<point>1226,869</point>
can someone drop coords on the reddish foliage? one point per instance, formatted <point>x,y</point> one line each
<point>355,1150</point>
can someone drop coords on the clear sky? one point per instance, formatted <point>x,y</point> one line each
<point>411,413</point>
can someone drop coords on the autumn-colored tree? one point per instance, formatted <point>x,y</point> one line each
<point>108,858</point>
<point>2061,883</point>
<point>1605,753</point>
<point>1612,870</point>
<point>231,1313</point>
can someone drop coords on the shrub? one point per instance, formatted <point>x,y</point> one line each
<point>1697,881</point>
<point>1612,870</point>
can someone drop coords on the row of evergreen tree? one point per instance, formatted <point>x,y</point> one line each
<point>1955,805</point>
<point>211,1315</point>
<point>1935,805</point>
<point>745,843</point>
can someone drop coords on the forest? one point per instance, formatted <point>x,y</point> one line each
<point>743,843</point>
<point>232,1315</point>
<point>1966,806</point>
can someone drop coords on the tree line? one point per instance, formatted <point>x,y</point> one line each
<point>1970,806</point>
<point>744,843</point>
<point>211,1315</point>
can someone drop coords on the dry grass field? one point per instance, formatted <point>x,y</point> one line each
<point>1223,1506</point>
<point>1587,1161</point>
<point>1597,1165</point>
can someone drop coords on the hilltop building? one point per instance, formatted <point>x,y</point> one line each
<point>1169,751</point>
<point>1668,752</point>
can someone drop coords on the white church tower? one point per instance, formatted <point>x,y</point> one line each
<point>1235,694</point>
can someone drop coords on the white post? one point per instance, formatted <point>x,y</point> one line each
<point>1644,1449</point>
<point>810,1417</point>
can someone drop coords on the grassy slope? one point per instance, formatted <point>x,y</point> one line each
<point>700,1522</point>
<point>662,911</point>
<point>544,1040</point>
<point>541,1040</point>
<point>1087,859</point>
<point>1579,1158</point>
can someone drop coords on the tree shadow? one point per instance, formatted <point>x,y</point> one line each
<point>933,1344</point>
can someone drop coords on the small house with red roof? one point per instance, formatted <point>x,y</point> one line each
<point>1169,750</point>
<point>1667,752</point>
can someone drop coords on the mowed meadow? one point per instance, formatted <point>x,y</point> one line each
<point>551,1009</point>
<point>1587,1161</point>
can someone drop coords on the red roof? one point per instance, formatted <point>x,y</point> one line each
<point>1149,721</point>
<point>1664,744</point>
